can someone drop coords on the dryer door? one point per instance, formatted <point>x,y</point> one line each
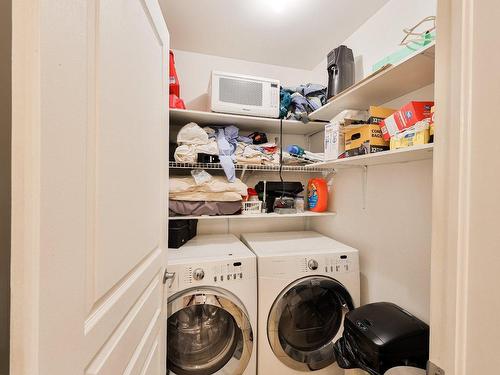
<point>305,321</point>
<point>209,332</point>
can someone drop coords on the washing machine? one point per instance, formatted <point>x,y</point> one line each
<point>212,308</point>
<point>306,284</point>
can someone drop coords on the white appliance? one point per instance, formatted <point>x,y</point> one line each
<point>212,307</point>
<point>244,95</point>
<point>307,283</point>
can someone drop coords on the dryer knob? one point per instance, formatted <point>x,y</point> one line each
<point>312,264</point>
<point>198,274</point>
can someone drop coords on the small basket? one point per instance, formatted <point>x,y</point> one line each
<point>251,207</point>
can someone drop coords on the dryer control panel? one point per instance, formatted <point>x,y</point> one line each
<point>327,264</point>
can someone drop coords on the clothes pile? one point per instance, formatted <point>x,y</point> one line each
<point>227,144</point>
<point>204,194</point>
<point>298,102</point>
<point>191,141</point>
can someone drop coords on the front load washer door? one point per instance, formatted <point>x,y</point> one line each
<point>305,321</point>
<point>209,332</point>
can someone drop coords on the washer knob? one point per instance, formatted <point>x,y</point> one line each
<point>198,274</point>
<point>312,264</point>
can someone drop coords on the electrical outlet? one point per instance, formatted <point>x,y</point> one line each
<point>433,369</point>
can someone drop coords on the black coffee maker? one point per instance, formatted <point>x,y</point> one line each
<point>340,66</point>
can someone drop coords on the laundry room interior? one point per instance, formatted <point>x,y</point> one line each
<point>334,68</point>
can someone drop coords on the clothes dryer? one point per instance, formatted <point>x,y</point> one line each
<point>306,284</point>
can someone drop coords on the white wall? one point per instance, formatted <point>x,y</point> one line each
<point>393,233</point>
<point>381,34</point>
<point>5,159</point>
<point>193,70</point>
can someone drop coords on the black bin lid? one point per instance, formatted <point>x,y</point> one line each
<point>385,324</point>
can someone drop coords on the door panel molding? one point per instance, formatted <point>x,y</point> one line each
<point>101,322</point>
<point>121,345</point>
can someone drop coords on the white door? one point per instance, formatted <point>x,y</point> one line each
<point>90,158</point>
<point>465,300</point>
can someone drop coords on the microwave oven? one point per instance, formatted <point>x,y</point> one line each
<point>244,95</point>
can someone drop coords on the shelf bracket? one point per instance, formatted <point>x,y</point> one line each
<point>327,173</point>
<point>243,172</point>
<point>364,184</point>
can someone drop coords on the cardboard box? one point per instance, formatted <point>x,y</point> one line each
<point>378,114</point>
<point>363,150</point>
<point>364,139</point>
<point>410,137</point>
<point>334,140</point>
<point>431,124</point>
<point>406,117</point>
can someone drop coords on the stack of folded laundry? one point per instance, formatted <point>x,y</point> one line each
<point>192,140</point>
<point>203,194</point>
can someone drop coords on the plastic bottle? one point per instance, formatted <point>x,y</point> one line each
<point>174,80</point>
<point>317,194</point>
<point>295,150</point>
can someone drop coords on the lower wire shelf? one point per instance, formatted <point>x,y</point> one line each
<point>256,216</point>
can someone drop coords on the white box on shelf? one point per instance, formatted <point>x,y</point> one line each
<point>334,141</point>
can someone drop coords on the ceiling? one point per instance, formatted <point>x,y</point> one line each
<point>295,33</point>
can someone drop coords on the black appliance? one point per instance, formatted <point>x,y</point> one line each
<point>380,336</point>
<point>276,189</point>
<point>181,231</point>
<point>340,66</point>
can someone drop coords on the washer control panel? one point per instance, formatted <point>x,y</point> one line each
<point>212,273</point>
<point>231,271</point>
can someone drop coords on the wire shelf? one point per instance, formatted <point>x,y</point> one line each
<point>250,167</point>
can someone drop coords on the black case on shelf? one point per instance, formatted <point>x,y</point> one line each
<point>379,336</point>
<point>181,231</point>
<point>275,189</point>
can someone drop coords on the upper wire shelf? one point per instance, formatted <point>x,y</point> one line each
<point>250,167</point>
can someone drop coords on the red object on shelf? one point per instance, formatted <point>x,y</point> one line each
<point>405,118</point>
<point>174,80</point>
<point>317,194</point>
<point>252,191</point>
<point>176,102</point>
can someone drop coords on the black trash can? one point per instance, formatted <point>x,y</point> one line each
<point>380,336</point>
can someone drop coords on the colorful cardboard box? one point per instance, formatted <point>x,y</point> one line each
<point>410,137</point>
<point>406,117</point>
<point>379,114</point>
<point>364,139</point>
<point>431,124</point>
